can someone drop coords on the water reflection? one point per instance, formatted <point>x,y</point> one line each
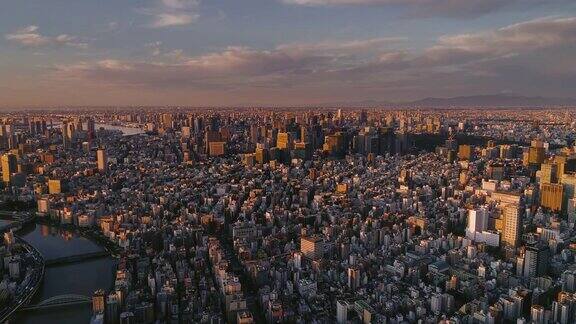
<point>77,278</point>
<point>54,242</point>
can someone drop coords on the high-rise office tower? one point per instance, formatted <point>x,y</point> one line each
<point>262,155</point>
<point>512,225</point>
<point>284,141</point>
<point>254,133</point>
<point>209,137</point>
<point>363,118</point>
<point>353,278</point>
<point>536,153</point>
<point>568,182</point>
<point>9,166</point>
<point>102,160</point>
<point>91,128</point>
<point>536,258</point>
<point>551,195</point>
<point>548,172</point>
<point>68,130</point>
<point>538,314</point>
<point>312,247</point>
<point>477,222</point>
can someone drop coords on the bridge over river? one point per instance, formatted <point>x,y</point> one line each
<point>76,258</point>
<point>58,301</point>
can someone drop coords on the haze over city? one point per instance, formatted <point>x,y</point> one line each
<point>288,161</point>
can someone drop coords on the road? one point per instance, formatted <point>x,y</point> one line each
<point>32,281</point>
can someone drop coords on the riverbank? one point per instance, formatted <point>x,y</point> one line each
<point>79,278</point>
<point>90,233</point>
<point>32,282</point>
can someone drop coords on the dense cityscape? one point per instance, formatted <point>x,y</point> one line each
<point>288,162</point>
<point>295,215</point>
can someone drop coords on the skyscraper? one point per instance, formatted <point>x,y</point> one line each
<point>91,128</point>
<point>284,141</point>
<point>512,225</point>
<point>536,153</point>
<point>353,278</point>
<point>477,222</point>
<point>312,247</point>
<point>102,160</point>
<point>9,166</point>
<point>551,195</point>
<point>536,258</point>
<point>568,182</point>
<point>548,172</point>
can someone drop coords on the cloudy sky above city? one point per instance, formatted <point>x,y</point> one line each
<point>283,52</point>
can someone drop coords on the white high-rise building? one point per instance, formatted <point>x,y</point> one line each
<point>477,222</point>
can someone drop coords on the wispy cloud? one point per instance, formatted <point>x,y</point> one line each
<point>169,13</point>
<point>541,54</point>
<point>450,8</point>
<point>30,37</point>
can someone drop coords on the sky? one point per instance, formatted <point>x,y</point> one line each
<point>281,52</point>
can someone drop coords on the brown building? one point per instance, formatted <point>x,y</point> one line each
<point>536,155</point>
<point>217,148</point>
<point>284,141</point>
<point>262,155</point>
<point>98,301</point>
<point>209,137</point>
<point>465,152</point>
<point>9,166</point>
<point>54,186</point>
<point>512,225</point>
<point>102,160</point>
<point>312,247</point>
<point>551,196</point>
<point>335,144</point>
<point>549,172</point>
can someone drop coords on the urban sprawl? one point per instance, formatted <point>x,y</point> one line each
<point>301,215</point>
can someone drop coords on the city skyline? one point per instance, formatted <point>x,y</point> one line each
<point>308,215</point>
<point>290,52</point>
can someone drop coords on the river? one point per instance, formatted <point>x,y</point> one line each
<point>124,129</point>
<point>81,278</point>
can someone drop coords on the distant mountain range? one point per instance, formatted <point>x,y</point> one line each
<point>493,100</point>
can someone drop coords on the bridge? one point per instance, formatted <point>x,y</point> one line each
<point>76,258</point>
<point>58,301</point>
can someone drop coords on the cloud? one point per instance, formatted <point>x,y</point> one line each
<point>181,4</point>
<point>528,57</point>
<point>31,37</point>
<point>231,66</point>
<point>155,47</point>
<point>234,63</point>
<point>344,47</point>
<point>168,19</point>
<point>170,13</point>
<point>457,8</point>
